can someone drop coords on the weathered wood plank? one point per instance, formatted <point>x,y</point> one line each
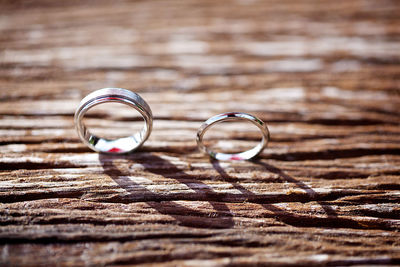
<point>324,75</point>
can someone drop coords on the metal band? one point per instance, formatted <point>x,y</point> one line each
<point>121,145</point>
<point>246,155</point>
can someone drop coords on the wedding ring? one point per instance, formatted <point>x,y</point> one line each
<point>121,145</point>
<point>230,116</point>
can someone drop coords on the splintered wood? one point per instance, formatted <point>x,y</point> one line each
<point>324,76</point>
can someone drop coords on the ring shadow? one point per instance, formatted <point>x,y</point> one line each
<point>221,217</point>
<point>164,203</point>
<point>282,214</point>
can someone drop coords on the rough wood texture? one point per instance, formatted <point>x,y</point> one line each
<point>324,75</point>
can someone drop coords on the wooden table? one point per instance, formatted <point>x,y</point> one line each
<point>324,75</point>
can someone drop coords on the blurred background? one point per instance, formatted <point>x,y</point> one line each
<point>324,62</point>
<point>191,46</point>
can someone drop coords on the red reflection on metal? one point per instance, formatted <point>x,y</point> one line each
<point>230,114</point>
<point>115,150</point>
<point>235,158</point>
<point>112,98</point>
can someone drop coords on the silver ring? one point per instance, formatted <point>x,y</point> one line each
<point>246,155</point>
<point>121,145</point>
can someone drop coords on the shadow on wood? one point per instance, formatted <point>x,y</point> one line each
<point>222,217</point>
<point>185,216</point>
<point>331,220</point>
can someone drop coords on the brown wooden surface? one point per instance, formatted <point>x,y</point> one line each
<point>324,75</point>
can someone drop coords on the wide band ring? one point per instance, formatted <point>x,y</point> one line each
<point>246,155</point>
<point>120,145</point>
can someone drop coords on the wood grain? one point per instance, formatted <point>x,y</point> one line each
<point>324,75</point>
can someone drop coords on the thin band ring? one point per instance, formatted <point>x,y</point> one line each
<point>121,145</point>
<point>246,155</point>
